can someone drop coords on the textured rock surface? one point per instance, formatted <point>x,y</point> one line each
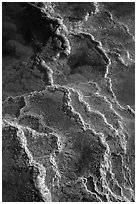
<point>68,102</point>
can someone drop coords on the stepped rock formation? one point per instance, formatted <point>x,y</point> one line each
<point>68,102</point>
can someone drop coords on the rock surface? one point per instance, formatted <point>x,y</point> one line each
<point>68,102</point>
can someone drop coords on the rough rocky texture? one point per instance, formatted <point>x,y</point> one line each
<point>68,102</point>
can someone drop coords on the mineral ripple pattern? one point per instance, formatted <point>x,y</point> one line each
<point>68,102</point>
